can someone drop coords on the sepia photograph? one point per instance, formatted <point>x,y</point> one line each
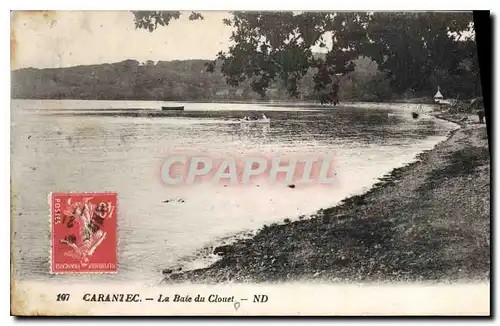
<point>242,163</point>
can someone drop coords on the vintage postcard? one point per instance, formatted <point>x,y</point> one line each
<point>245,163</point>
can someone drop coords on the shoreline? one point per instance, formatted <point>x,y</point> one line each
<point>380,235</point>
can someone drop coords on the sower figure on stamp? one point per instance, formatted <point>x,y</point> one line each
<point>89,218</point>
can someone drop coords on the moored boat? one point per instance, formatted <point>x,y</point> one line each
<point>172,108</point>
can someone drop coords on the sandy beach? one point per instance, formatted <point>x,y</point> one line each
<point>427,221</point>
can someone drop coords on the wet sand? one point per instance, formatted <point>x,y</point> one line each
<point>427,221</point>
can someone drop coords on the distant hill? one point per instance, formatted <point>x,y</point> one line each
<point>164,80</point>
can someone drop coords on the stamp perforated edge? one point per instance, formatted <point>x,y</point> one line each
<point>51,261</point>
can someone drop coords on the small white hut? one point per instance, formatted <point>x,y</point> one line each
<point>438,96</point>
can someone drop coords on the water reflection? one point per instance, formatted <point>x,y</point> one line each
<point>363,125</point>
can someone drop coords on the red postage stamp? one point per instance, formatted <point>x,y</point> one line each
<point>84,233</point>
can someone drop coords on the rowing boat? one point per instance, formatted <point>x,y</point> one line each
<point>266,120</point>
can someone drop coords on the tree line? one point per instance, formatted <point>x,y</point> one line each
<point>415,51</point>
<point>177,81</point>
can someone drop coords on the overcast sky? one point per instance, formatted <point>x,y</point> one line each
<point>62,39</point>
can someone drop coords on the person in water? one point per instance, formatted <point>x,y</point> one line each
<point>480,114</point>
